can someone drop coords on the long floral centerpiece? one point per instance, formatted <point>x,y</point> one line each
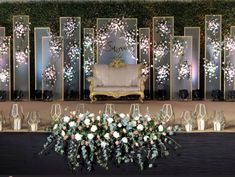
<point>87,140</point>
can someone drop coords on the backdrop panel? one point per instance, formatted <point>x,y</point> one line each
<point>213,44</point>
<point>52,66</point>
<point>70,29</point>
<point>5,67</point>
<point>181,65</point>
<point>163,29</point>
<point>2,31</point>
<point>117,39</point>
<point>88,58</point>
<point>144,57</point>
<point>195,33</point>
<point>39,32</point>
<point>21,59</point>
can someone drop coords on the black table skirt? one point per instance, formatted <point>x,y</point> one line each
<point>201,154</point>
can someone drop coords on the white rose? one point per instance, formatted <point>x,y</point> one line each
<point>78,137</point>
<point>116,135</point>
<point>110,120</point>
<point>103,144</point>
<point>62,133</point>
<point>133,123</point>
<point>98,118</point>
<point>72,124</point>
<point>154,137</point>
<point>90,136</point>
<point>55,126</point>
<point>124,140</point>
<point>119,125</point>
<point>160,128</point>
<point>91,115</point>
<point>146,138</point>
<point>122,115</point>
<point>93,128</point>
<point>80,116</point>
<point>106,136</point>
<point>136,118</point>
<point>148,118</point>
<point>87,122</point>
<point>140,127</point>
<point>66,119</point>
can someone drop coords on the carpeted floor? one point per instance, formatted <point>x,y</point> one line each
<point>202,154</point>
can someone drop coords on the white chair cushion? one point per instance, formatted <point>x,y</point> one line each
<point>115,89</point>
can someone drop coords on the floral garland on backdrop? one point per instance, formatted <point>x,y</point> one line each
<point>87,140</point>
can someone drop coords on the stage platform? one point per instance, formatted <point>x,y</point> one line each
<point>202,154</point>
<point>123,106</point>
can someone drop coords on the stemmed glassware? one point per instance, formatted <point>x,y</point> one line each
<point>55,112</point>
<point>201,116</point>
<point>17,115</point>
<point>33,120</point>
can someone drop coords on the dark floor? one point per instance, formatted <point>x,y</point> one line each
<point>201,154</point>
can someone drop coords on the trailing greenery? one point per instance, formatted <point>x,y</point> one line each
<point>185,14</point>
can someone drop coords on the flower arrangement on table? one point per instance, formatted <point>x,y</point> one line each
<point>86,140</point>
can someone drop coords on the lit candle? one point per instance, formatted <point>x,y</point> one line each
<point>217,126</point>
<point>34,127</point>
<point>201,124</point>
<point>17,124</point>
<point>188,127</point>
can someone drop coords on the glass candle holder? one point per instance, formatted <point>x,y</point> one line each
<point>218,120</point>
<point>109,110</point>
<point>33,121</point>
<point>187,118</point>
<point>167,113</point>
<point>201,116</point>
<point>55,112</point>
<point>134,110</point>
<point>17,116</point>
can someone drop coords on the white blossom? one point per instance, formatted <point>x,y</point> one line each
<point>116,134</point>
<point>78,137</point>
<point>98,118</point>
<point>146,138</point>
<point>87,122</point>
<point>122,115</point>
<point>119,125</point>
<point>133,123</point>
<point>91,115</point>
<point>66,119</point>
<point>103,144</point>
<point>110,120</point>
<point>140,127</point>
<point>72,124</point>
<point>160,128</point>
<point>124,140</point>
<point>136,118</point>
<point>63,133</point>
<point>93,128</point>
<point>106,136</point>
<point>55,127</point>
<point>90,136</point>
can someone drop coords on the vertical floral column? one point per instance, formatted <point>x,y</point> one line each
<point>195,33</point>
<point>144,57</point>
<point>163,30</point>
<point>53,66</point>
<point>229,65</point>
<point>5,70</point>
<point>39,32</point>
<point>213,45</point>
<point>21,60</point>
<point>88,58</point>
<point>181,66</point>
<point>70,29</point>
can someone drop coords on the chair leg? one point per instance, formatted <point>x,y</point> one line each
<point>92,98</point>
<point>141,98</point>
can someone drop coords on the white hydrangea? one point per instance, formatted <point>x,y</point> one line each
<point>63,133</point>
<point>66,119</point>
<point>122,115</point>
<point>140,127</point>
<point>136,118</point>
<point>160,128</point>
<point>80,116</point>
<point>133,123</point>
<point>55,127</point>
<point>90,136</point>
<point>103,144</point>
<point>93,128</point>
<point>110,120</point>
<point>78,137</point>
<point>124,140</point>
<point>119,125</point>
<point>146,138</point>
<point>106,136</point>
<point>72,124</point>
<point>98,118</point>
<point>116,135</point>
<point>87,122</point>
<point>91,115</point>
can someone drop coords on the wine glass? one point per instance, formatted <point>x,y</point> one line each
<point>109,110</point>
<point>55,112</point>
<point>167,113</point>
